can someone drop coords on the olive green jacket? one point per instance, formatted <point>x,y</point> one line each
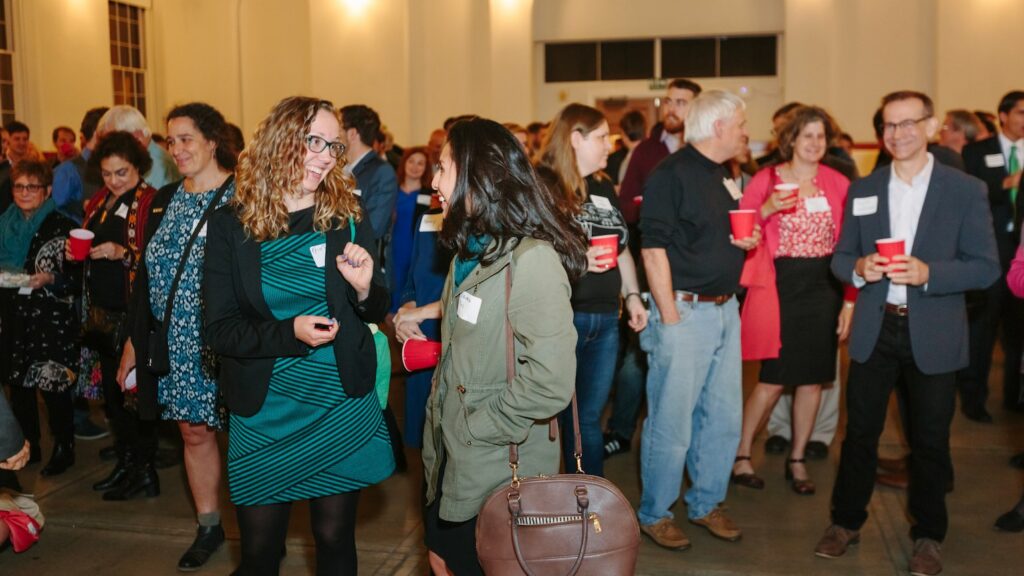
<point>473,413</point>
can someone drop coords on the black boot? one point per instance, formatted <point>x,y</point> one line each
<point>118,475</point>
<point>142,478</point>
<point>208,540</point>
<point>62,459</point>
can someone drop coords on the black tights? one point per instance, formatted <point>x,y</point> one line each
<point>264,529</point>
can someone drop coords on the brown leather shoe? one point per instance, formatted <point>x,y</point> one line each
<point>719,525</point>
<point>927,560</point>
<point>666,534</point>
<point>835,541</point>
<point>898,480</point>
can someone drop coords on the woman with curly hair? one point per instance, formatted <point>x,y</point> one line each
<point>289,289</point>
<point>167,309</point>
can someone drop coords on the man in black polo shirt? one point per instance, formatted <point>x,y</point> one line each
<point>694,383</point>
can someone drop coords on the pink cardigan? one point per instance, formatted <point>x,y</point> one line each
<point>760,328</point>
<point>1015,277</point>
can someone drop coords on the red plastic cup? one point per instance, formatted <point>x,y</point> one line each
<point>610,241</point>
<point>889,247</point>
<point>742,223</point>
<point>81,242</point>
<point>786,191</point>
<point>420,354</point>
<point>637,200</point>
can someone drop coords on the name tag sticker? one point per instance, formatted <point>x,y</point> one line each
<point>994,161</point>
<point>319,253</point>
<point>817,204</point>
<point>865,206</point>
<point>431,223</point>
<point>358,192</point>
<point>423,199</point>
<point>601,202</point>
<point>122,211</point>
<point>24,291</point>
<point>469,307</point>
<point>733,189</point>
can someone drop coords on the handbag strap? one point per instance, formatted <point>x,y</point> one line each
<point>510,374</point>
<point>188,247</point>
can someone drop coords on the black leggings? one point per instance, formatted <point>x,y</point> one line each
<point>59,410</point>
<point>264,528</point>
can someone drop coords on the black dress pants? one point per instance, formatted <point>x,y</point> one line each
<point>930,401</point>
<point>989,310</point>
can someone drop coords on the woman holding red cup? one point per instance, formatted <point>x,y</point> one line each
<point>793,317</point>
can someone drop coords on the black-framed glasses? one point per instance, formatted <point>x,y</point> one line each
<point>317,145</point>
<point>890,127</point>
<point>29,187</point>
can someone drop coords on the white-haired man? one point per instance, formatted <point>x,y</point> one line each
<point>694,383</point>
<point>129,119</point>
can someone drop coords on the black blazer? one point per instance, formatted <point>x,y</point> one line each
<point>998,197</point>
<point>954,238</point>
<point>242,330</point>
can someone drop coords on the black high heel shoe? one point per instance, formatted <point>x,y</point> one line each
<point>802,486</point>
<point>749,480</point>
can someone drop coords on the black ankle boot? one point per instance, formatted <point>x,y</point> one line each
<point>208,540</point>
<point>121,471</point>
<point>63,458</point>
<point>142,479</point>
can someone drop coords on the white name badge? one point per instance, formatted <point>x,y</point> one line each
<point>733,189</point>
<point>423,199</point>
<point>358,192</point>
<point>994,161</point>
<point>202,231</point>
<point>122,212</point>
<point>431,222</point>
<point>817,204</point>
<point>601,202</point>
<point>319,253</point>
<point>24,291</point>
<point>469,307</point>
<point>865,206</point>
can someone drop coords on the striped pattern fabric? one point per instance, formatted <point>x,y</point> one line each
<point>309,439</point>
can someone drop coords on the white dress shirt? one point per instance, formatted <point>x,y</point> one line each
<point>671,141</point>
<point>905,203</point>
<point>1005,144</point>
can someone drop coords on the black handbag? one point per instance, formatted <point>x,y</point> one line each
<point>159,360</point>
<point>104,330</point>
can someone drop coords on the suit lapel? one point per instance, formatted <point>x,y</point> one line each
<point>882,226</point>
<point>249,265</point>
<point>931,201</point>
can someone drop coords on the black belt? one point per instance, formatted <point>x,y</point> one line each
<point>681,296</point>
<point>900,310</point>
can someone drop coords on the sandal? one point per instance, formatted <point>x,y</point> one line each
<point>802,486</point>
<point>749,480</point>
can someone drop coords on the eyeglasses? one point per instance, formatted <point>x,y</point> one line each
<point>317,145</point>
<point>29,187</point>
<point>890,128</point>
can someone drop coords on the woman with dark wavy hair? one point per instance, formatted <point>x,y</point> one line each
<point>501,224</point>
<point>289,291</point>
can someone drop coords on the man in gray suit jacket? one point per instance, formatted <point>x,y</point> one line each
<point>910,322</point>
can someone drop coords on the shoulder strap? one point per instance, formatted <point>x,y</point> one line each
<point>188,247</point>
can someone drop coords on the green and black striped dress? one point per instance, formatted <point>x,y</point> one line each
<point>309,439</point>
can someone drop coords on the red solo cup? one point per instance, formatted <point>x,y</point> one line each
<point>81,242</point>
<point>610,241</point>
<point>786,190</point>
<point>420,354</point>
<point>889,247</point>
<point>637,200</point>
<point>742,223</point>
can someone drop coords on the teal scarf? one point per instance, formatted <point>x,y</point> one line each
<point>477,245</point>
<point>16,234</point>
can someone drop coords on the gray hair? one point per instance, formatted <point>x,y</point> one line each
<point>123,118</point>
<point>966,122</point>
<point>708,108</point>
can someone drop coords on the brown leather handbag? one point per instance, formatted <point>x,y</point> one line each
<point>557,525</point>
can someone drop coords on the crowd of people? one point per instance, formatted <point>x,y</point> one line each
<point>250,288</point>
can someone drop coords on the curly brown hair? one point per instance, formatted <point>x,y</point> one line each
<point>797,119</point>
<point>272,166</point>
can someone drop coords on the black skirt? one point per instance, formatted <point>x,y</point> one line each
<point>454,542</point>
<point>809,302</point>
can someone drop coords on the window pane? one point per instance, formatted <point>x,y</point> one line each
<point>118,82</point>
<point>136,58</point>
<point>748,56</point>
<point>6,70</point>
<point>570,62</point>
<point>140,103</point>
<point>629,60</point>
<point>122,11</point>
<point>122,31</point>
<point>126,56</point>
<point>135,33</point>
<point>7,96</point>
<point>689,58</point>
<point>3,36</point>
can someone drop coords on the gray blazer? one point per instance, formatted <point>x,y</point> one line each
<point>954,238</point>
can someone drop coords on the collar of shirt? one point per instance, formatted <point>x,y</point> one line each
<point>352,165</point>
<point>905,203</point>
<point>1005,143</point>
<point>671,141</point>
<point>86,152</point>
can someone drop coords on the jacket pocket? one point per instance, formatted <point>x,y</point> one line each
<point>473,398</point>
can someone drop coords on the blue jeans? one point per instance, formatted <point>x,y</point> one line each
<point>694,408</point>
<point>596,348</point>
<point>629,385</point>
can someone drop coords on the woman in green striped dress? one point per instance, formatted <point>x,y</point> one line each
<point>289,291</point>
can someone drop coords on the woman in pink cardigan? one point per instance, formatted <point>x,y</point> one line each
<point>789,314</point>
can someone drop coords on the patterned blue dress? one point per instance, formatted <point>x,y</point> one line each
<point>309,439</point>
<point>189,391</point>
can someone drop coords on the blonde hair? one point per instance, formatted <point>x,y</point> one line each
<point>558,154</point>
<point>272,166</point>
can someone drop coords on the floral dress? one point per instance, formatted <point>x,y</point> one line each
<point>188,392</point>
